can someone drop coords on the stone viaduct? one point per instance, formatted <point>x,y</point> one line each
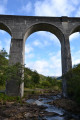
<point>20,27</point>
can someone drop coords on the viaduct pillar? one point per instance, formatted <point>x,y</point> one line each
<point>16,55</point>
<point>66,62</point>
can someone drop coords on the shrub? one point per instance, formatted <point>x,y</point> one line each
<point>73,83</point>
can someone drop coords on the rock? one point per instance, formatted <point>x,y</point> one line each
<point>67,104</point>
<point>27,115</point>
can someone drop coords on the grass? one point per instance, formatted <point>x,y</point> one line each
<point>29,91</point>
<point>2,88</point>
<point>4,98</point>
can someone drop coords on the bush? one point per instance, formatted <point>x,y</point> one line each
<point>73,83</point>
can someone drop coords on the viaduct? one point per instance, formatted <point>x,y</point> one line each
<point>20,27</point>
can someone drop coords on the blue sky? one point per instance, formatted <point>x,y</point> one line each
<point>42,49</point>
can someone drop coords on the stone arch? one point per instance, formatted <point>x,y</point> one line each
<point>5,28</point>
<point>44,27</point>
<point>49,28</point>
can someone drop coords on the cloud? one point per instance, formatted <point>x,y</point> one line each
<point>52,8</point>
<point>27,8</point>
<point>37,43</point>
<point>2,9</point>
<point>54,39</point>
<point>48,67</point>
<point>78,13</point>
<point>0,45</point>
<point>76,57</point>
<point>28,48</point>
<point>40,65</point>
<point>74,36</point>
<point>55,7</point>
<point>3,6</point>
<point>48,38</point>
<point>29,56</point>
<point>2,32</point>
<point>5,45</point>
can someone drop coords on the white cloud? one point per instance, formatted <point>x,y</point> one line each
<point>0,45</point>
<point>2,32</point>
<point>55,7</point>
<point>74,36</point>
<point>54,39</point>
<point>27,8</point>
<point>40,65</point>
<point>3,6</point>
<point>74,2</point>
<point>52,7</point>
<point>48,67</point>
<point>37,43</point>
<point>51,38</point>
<point>2,9</point>
<point>6,44</point>
<point>78,13</point>
<point>28,48</point>
<point>29,56</point>
<point>76,58</point>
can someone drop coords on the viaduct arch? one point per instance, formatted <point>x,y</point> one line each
<point>20,27</point>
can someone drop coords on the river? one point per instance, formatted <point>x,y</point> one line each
<point>53,112</point>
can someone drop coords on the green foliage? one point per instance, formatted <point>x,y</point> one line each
<point>73,83</point>
<point>46,84</point>
<point>52,81</point>
<point>3,65</point>
<point>3,53</point>
<point>4,98</point>
<point>14,72</point>
<point>35,77</point>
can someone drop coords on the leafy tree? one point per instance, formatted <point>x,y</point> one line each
<point>15,72</point>
<point>3,60</point>
<point>3,53</point>
<point>51,80</point>
<point>3,65</point>
<point>35,77</point>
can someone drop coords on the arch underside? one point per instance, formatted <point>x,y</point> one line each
<point>44,27</point>
<point>5,28</point>
<point>76,29</point>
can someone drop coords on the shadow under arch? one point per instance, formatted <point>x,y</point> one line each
<point>4,27</point>
<point>75,29</point>
<point>44,27</point>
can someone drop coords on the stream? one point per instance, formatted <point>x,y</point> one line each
<point>58,113</point>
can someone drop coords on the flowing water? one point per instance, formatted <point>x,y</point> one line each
<point>60,114</point>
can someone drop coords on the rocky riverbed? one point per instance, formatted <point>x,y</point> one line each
<point>48,106</point>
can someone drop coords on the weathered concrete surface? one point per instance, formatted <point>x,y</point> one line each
<point>20,27</point>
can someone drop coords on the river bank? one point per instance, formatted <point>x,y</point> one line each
<point>44,106</point>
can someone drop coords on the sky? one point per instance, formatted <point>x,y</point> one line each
<point>43,49</point>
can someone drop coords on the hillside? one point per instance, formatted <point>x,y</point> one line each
<point>32,79</point>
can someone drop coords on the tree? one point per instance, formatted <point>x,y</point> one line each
<point>35,77</point>
<point>15,72</point>
<point>3,60</point>
<point>73,83</point>
<point>3,53</point>
<point>3,65</point>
